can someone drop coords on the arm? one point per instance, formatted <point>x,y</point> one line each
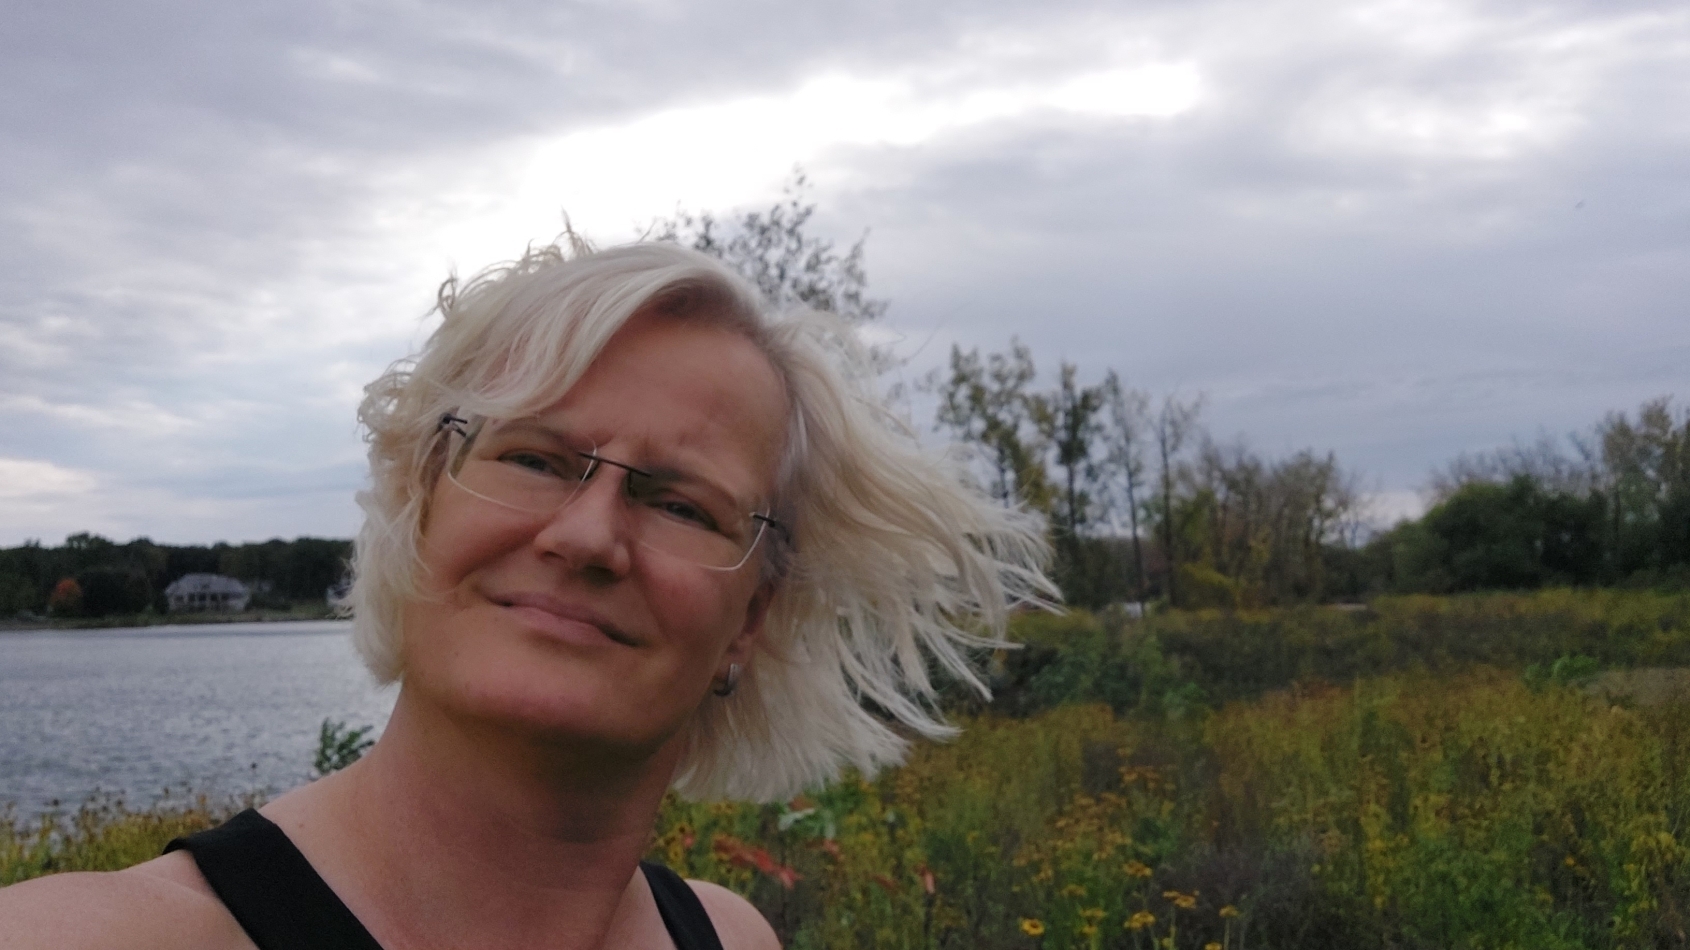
<point>738,924</point>
<point>142,908</point>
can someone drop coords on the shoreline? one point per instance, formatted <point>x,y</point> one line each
<point>115,621</point>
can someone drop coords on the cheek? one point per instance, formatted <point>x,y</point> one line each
<point>457,541</point>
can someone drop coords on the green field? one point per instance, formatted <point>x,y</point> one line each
<point>1488,771</point>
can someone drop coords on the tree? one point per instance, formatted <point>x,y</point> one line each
<point>1070,423</point>
<point>1069,420</point>
<point>986,404</point>
<point>66,599</point>
<point>1646,481</point>
<point>1511,536</point>
<point>113,590</point>
<point>1124,439</point>
<point>1174,425</point>
<point>17,594</point>
<point>773,250</point>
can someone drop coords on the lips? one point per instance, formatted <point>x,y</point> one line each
<point>561,619</point>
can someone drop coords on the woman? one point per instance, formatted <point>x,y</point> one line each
<point>626,531</point>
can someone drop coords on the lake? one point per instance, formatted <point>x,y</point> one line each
<point>217,708</point>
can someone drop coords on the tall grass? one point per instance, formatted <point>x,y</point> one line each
<point>102,834</point>
<point>1426,803</point>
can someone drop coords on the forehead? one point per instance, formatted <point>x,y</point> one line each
<point>668,391</point>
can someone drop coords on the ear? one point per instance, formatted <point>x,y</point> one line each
<point>744,642</point>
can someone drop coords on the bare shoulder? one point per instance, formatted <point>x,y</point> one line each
<point>739,925</point>
<point>163,903</point>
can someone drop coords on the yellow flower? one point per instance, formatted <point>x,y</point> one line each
<point>1211,945</point>
<point>1136,869</point>
<point>1032,926</point>
<point>1229,911</point>
<point>1182,901</point>
<point>1073,890</point>
<point>1140,920</point>
<point>1090,929</point>
<point>1092,914</point>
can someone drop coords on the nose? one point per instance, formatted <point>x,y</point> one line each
<point>590,532</point>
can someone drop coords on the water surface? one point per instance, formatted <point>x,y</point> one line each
<point>217,708</point>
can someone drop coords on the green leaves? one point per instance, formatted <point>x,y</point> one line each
<point>338,746</point>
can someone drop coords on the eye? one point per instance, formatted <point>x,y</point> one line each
<point>541,463</point>
<point>683,510</point>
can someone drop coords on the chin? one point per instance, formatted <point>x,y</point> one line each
<point>574,705</point>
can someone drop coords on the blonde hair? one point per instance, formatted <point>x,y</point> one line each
<point>899,564</point>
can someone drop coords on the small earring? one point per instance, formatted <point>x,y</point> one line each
<point>729,682</point>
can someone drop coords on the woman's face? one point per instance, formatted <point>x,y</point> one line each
<point>565,624</point>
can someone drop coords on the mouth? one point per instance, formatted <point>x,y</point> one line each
<point>561,619</point>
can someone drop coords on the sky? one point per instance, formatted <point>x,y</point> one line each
<point>1397,231</point>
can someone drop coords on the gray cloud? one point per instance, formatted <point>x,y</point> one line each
<point>1397,231</point>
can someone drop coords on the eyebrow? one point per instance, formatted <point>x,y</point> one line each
<point>662,472</point>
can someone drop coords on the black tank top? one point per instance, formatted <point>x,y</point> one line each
<point>283,904</point>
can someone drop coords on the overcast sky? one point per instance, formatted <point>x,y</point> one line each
<point>1396,230</point>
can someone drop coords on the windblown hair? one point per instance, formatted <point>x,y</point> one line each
<point>899,565</point>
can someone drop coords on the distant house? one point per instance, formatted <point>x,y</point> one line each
<point>206,592</point>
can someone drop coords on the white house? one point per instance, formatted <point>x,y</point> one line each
<point>206,592</point>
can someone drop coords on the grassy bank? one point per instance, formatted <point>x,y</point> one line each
<point>1363,782</point>
<point>1187,659</point>
<point>1405,811</point>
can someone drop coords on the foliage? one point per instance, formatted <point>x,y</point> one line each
<point>66,599</point>
<point>104,834</point>
<point>986,404</point>
<point>1144,503</point>
<point>1444,805</point>
<point>338,746</point>
<point>1180,661</point>
<point>1615,510</point>
<point>111,579</point>
<point>774,250</point>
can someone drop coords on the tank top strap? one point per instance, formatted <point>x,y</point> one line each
<point>683,913</point>
<point>271,890</point>
<point>282,903</point>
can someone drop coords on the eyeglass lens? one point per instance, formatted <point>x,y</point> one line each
<point>522,465</point>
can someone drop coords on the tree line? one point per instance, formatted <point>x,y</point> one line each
<point>93,576</point>
<point>1607,506</point>
<point>1145,504</point>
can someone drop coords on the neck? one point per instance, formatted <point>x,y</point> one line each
<point>460,833</point>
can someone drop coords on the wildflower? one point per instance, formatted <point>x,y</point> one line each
<point>1140,920</point>
<point>1073,890</point>
<point>1093,914</point>
<point>1182,901</point>
<point>1088,930</point>
<point>1229,911</point>
<point>1211,945</point>
<point>1032,926</point>
<point>1136,869</point>
<point>739,854</point>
